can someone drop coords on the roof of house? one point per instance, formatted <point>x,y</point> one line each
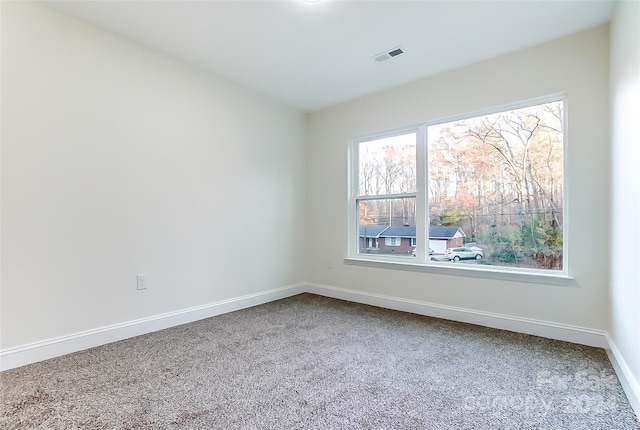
<point>372,230</point>
<point>435,232</point>
<point>399,231</point>
<point>444,231</point>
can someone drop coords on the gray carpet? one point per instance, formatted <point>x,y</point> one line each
<point>310,362</point>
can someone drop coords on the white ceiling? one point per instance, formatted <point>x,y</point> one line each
<point>311,55</point>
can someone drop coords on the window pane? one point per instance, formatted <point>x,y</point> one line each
<point>499,178</point>
<point>387,226</point>
<point>387,166</point>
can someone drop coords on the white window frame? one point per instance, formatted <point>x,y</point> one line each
<point>354,182</point>
<point>421,262</point>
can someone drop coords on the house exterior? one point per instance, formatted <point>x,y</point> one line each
<point>369,237</point>
<point>442,237</point>
<point>384,239</point>
<point>398,240</point>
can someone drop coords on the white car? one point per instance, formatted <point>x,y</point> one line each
<point>463,253</point>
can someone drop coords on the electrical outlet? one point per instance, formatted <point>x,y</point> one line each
<point>143,281</point>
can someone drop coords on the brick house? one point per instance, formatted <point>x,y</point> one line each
<point>384,239</point>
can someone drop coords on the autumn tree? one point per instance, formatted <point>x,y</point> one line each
<point>505,172</point>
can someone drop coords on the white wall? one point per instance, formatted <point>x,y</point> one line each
<point>625,205</point>
<point>117,160</point>
<point>577,65</point>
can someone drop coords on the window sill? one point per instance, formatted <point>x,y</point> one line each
<point>462,269</point>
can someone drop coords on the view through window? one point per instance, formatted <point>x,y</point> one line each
<point>493,191</point>
<point>387,195</point>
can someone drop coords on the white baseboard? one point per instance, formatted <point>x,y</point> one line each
<point>50,348</point>
<point>38,351</point>
<point>627,380</point>
<point>567,333</point>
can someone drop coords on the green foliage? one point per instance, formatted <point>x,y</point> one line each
<point>538,241</point>
<point>545,243</point>
<point>505,255</point>
<point>540,236</point>
<point>453,217</point>
<point>503,245</point>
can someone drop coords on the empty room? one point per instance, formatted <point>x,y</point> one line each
<point>323,214</point>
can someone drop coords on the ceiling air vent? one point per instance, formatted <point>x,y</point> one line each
<point>384,56</point>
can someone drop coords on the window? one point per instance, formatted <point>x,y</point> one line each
<point>493,183</point>
<point>392,241</point>
<point>386,192</point>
